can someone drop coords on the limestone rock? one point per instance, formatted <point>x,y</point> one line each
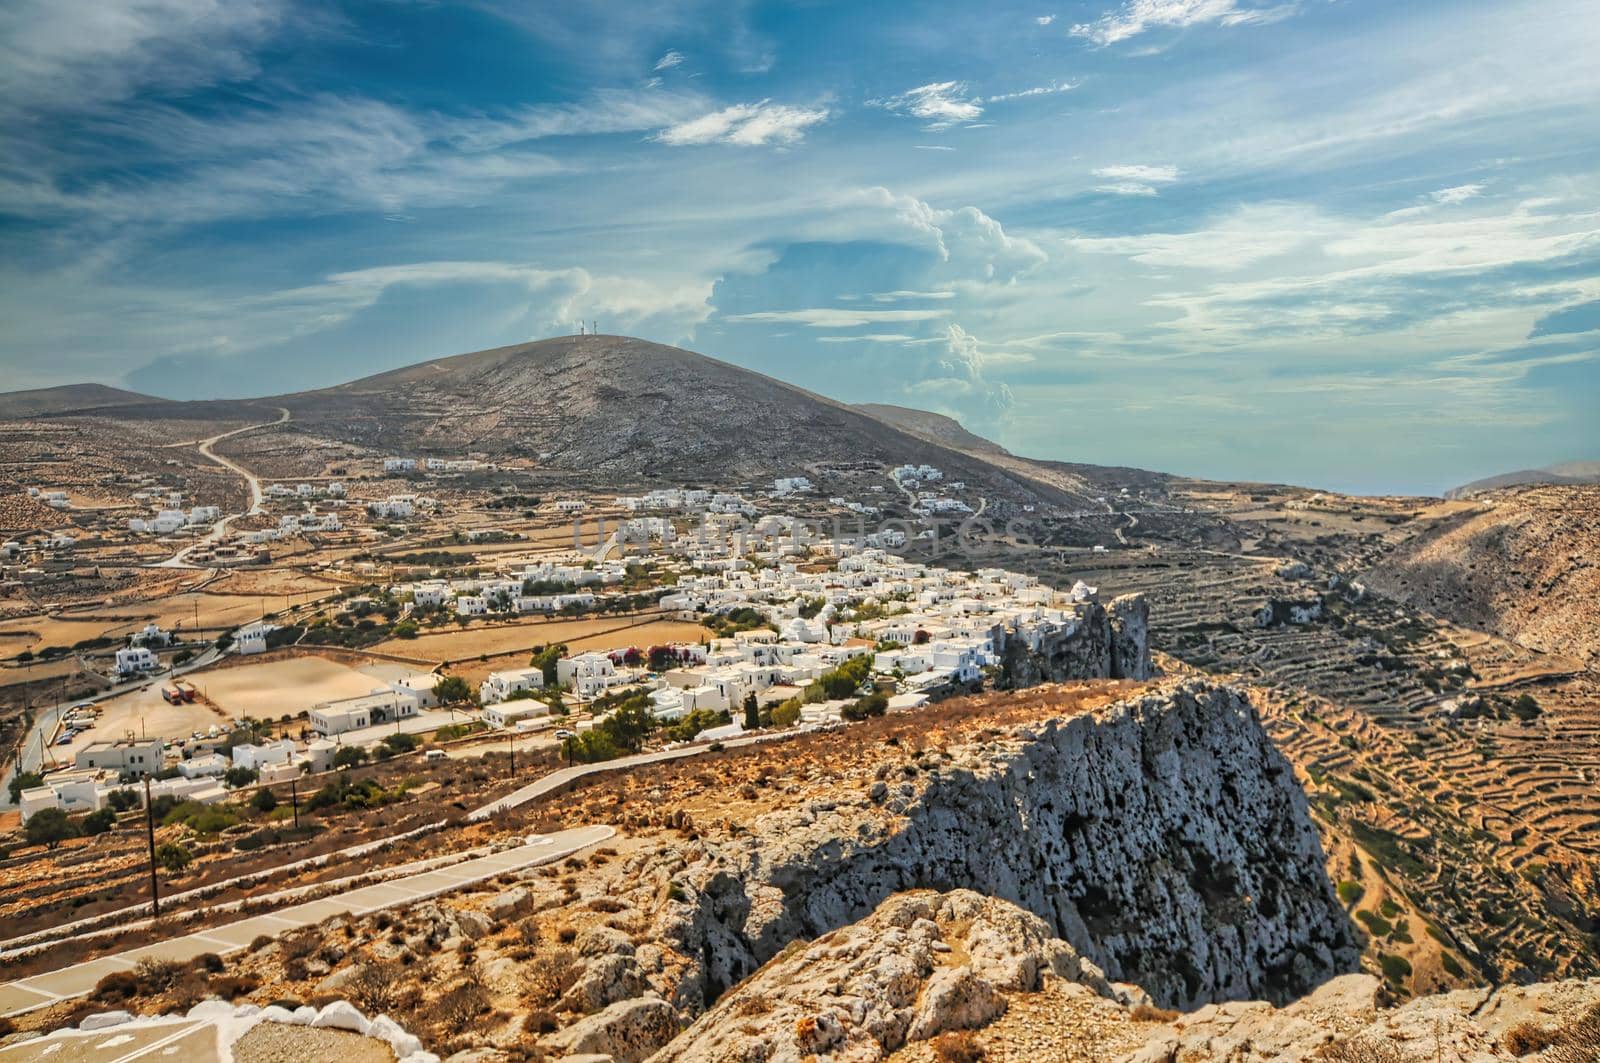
<point>628,1031</point>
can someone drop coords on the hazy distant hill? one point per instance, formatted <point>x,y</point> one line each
<point>1570,472</point>
<point>68,398</point>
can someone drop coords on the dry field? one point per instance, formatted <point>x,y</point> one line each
<point>590,633</point>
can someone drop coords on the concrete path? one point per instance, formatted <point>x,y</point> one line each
<point>562,776</point>
<point>187,1040</point>
<point>42,990</point>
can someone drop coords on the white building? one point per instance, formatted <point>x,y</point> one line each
<point>136,659</point>
<point>511,713</point>
<point>256,757</point>
<point>125,756</point>
<point>368,710</point>
<point>498,686</point>
<point>399,465</point>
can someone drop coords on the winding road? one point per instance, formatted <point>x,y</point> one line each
<point>257,497</point>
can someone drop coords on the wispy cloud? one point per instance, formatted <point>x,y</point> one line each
<point>670,60</point>
<point>748,124</point>
<point>1038,90</point>
<point>1137,16</point>
<point>833,317</point>
<point>1135,180</point>
<point>941,104</point>
<point>1045,20</point>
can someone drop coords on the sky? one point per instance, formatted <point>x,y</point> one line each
<point>1352,244</point>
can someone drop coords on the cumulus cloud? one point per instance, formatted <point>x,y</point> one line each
<point>748,124</point>
<point>1137,16</point>
<point>973,246</point>
<point>959,376</point>
<point>670,60</point>
<point>1136,180</point>
<point>941,104</point>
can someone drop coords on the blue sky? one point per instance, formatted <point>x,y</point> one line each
<point>1344,243</point>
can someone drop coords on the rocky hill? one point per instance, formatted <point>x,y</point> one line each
<point>623,409</point>
<point>1525,565</point>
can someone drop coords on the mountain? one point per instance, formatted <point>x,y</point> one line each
<point>69,398</point>
<point>1569,472</point>
<point>627,410</point>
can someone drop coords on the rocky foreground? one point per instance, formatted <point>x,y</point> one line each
<point>1027,876</point>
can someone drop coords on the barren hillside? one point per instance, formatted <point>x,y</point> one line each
<point>1526,567</point>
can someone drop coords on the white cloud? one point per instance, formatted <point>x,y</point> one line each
<point>1136,16</point>
<point>974,247</point>
<point>1242,238</point>
<point>67,57</point>
<point>830,317</point>
<point>959,376</point>
<point>941,104</point>
<point>1135,180</point>
<point>670,60</point>
<point>748,124</point>
<point>1045,20</point>
<point>1038,90</point>
<point>1457,194</point>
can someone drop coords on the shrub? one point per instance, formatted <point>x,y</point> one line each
<point>1362,1050</point>
<point>1395,968</point>
<point>376,985</point>
<point>550,975</point>
<point>49,827</point>
<point>786,714</point>
<point>461,1005</point>
<point>172,857</point>
<point>99,821</point>
<point>1351,892</point>
<point>232,986</point>
<point>958,1046</point>
<point>1151,1013</point>
<point>349,757</point>
<point>264,801</point>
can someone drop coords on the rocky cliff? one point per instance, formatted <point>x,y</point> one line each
<point>980,978</point>
<point>1164,838</point>
<point>1098,642</point>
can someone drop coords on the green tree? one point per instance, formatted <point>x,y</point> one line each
<point>236,777</point>
<point>406,629</point>
<point>545,660</point>
<point>24,780</point>
<point>452,690</point>
<point>787,714</point>
<point>172,857</point>
<point>264,800</point>
<point>752,712</point>
<point>49,827</point>
<point>349,757</point>
<point>99,821</point>
<point>399,743</point>
<point>124,800</point>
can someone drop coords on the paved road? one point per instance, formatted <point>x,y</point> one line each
<point>257,496</point>
<point>188,1040</point>
<point>42,990</point>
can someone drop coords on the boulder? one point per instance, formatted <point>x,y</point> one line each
<point>102,1020</point>
<point>955,999</point>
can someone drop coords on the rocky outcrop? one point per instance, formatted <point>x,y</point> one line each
<point>1164,838</point>
<point>1092,642</point>
<point>922,964</point>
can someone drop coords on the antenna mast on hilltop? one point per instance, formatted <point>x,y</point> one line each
<point>594,328</point>
<point>580,328</point>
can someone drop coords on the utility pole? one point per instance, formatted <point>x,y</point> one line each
<point>511,744</point>
<point>294,797</point>
<point>150,837</point>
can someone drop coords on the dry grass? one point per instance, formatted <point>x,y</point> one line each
<point>958,1046</point>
